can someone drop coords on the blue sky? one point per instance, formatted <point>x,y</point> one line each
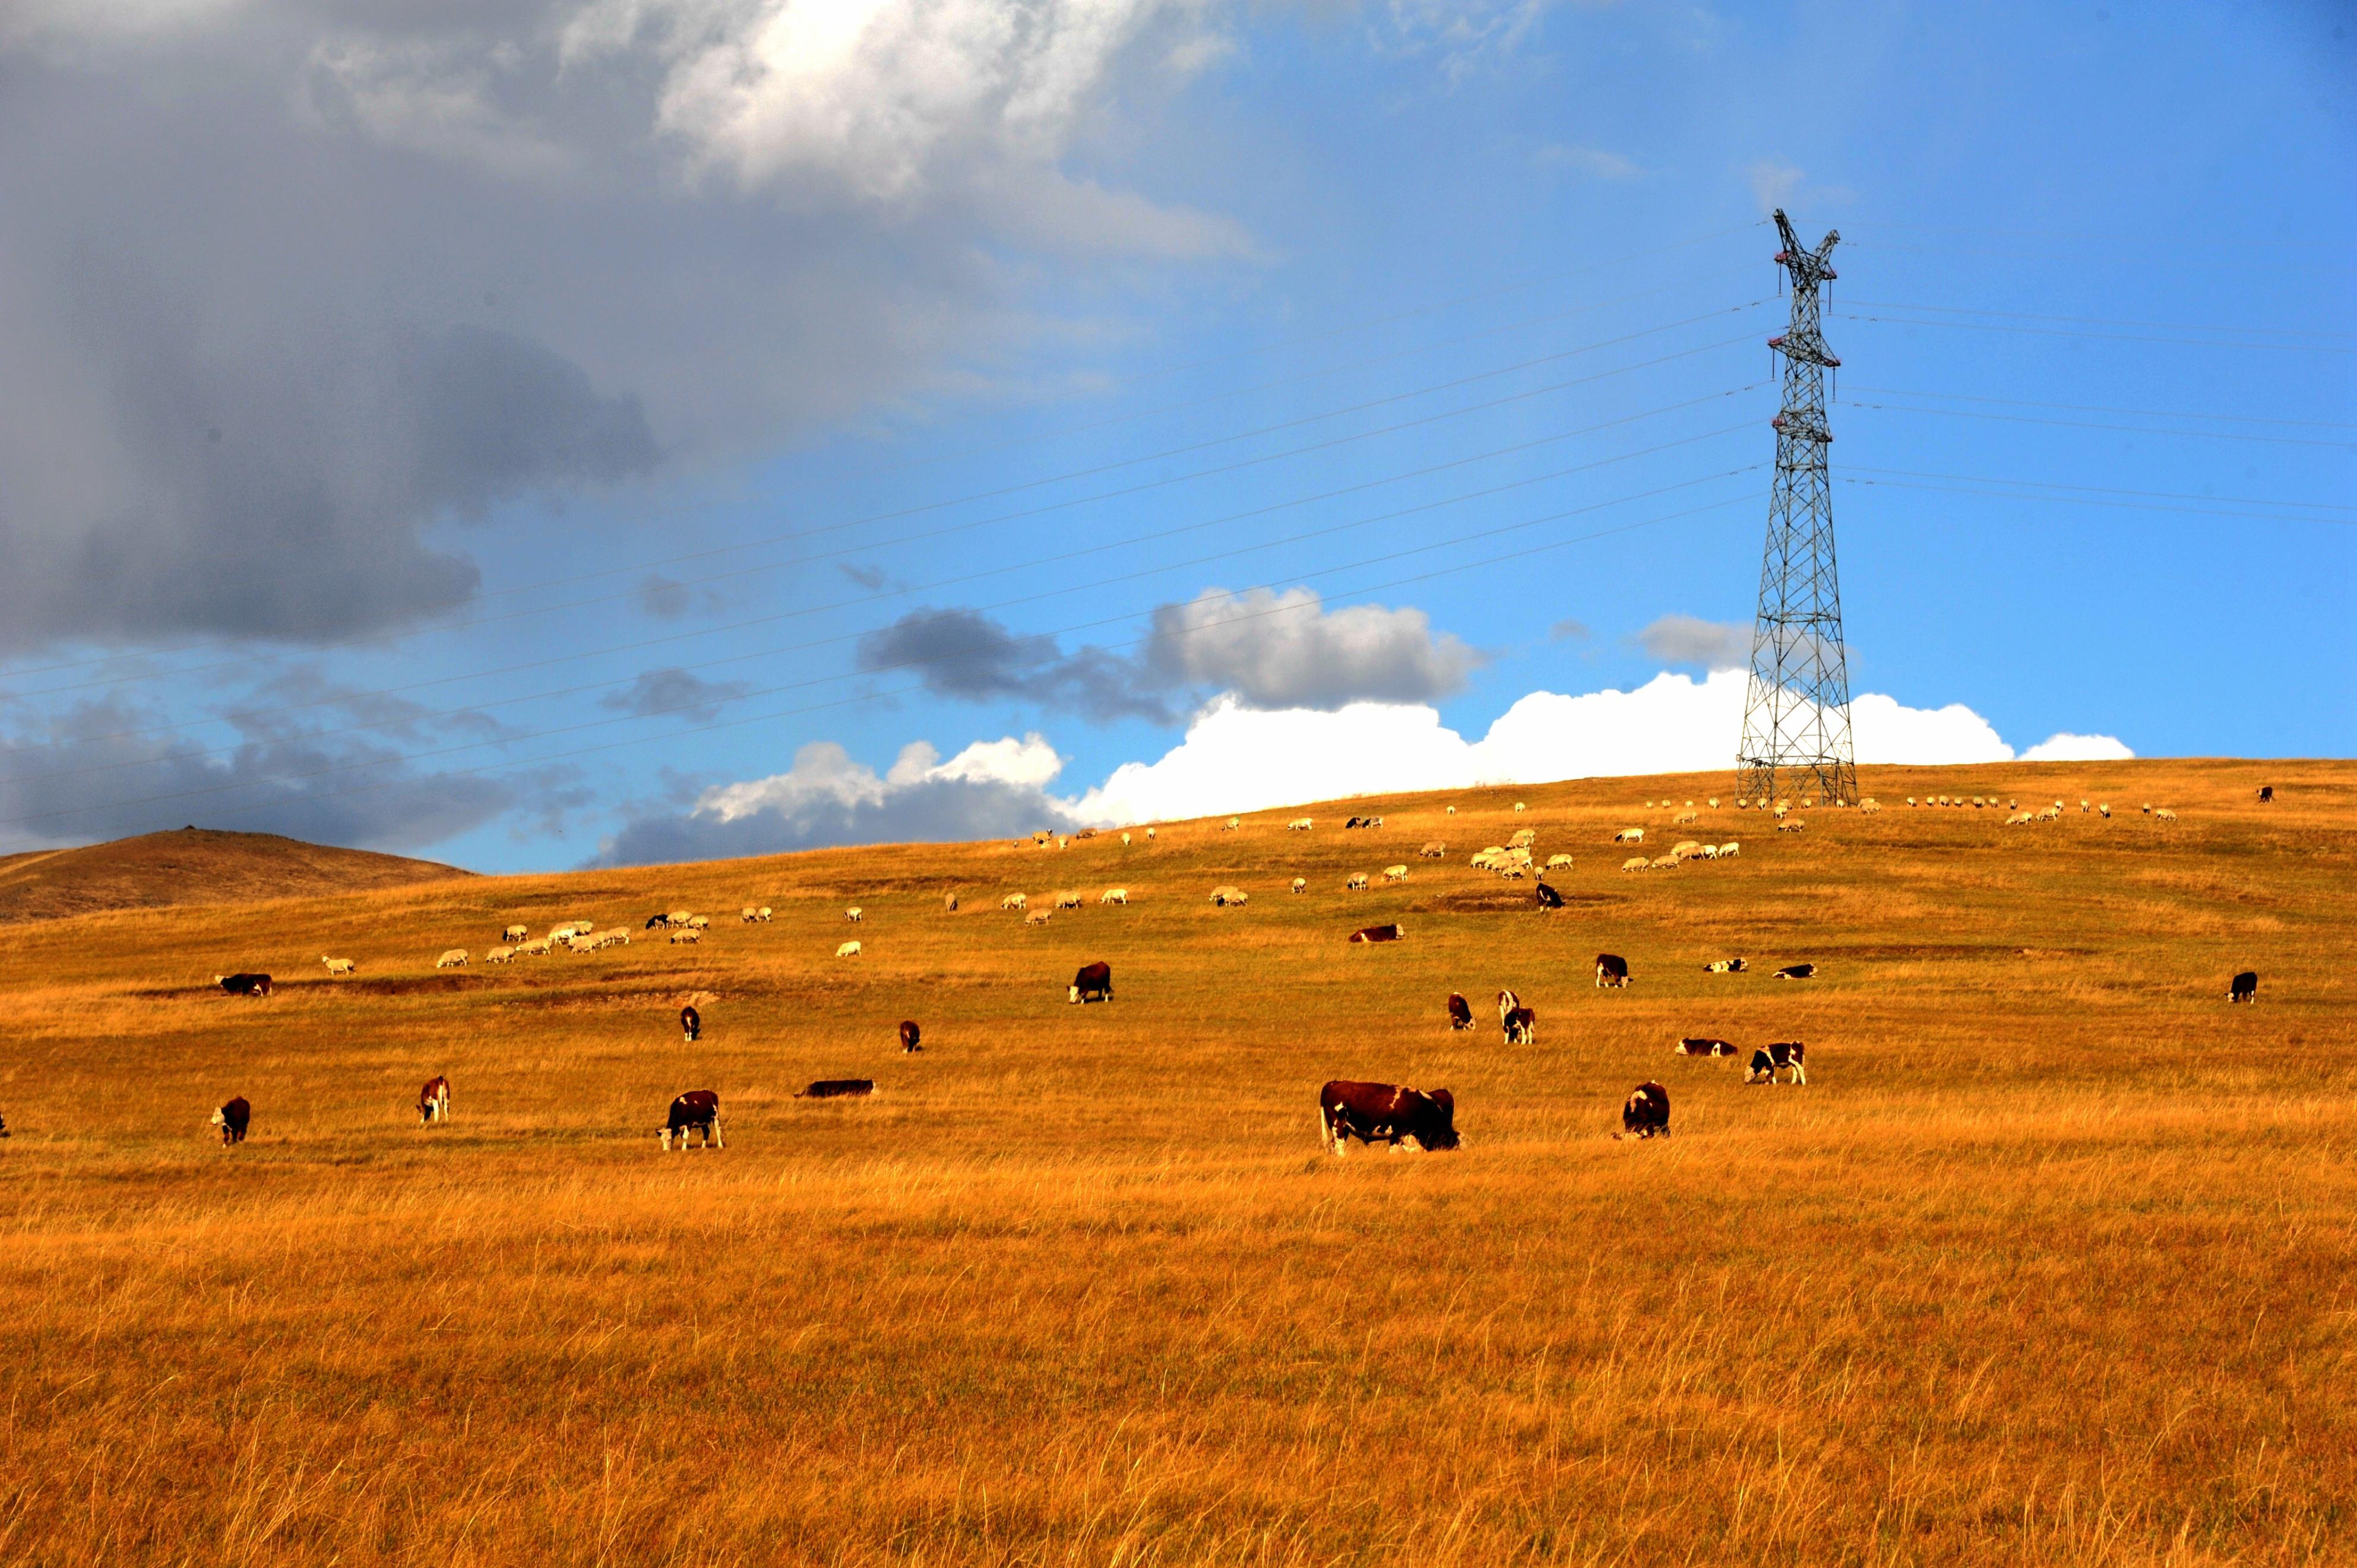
<point>500,438</point>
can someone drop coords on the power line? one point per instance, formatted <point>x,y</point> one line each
<point>2113,491</point>
<point>282,710</point>
<point>2083,500</point>
<point>2099,320</point>
<point>2100,408</point>
<point>763,718</point>
<point>2107,337</point>
<point>2089,425</point>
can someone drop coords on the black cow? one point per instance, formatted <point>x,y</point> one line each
<point>1611,970</point>
<point>1698,1045</point>
<point>690,1023</point>
<point>1548,897</point>
<point>1093,983</point>
<point>1768,1058</point>
<point>1796,971</point>
<point>697,1110</point>
<point>910,1036</point>
<point>1371,1110</point>
<point>1460,1012</point>
<point>2266,793</point>
<point>2244,987</point>
<point>1521,1026</point>
<point>1389,933</point>
<point>244,985</point>
<point>839,1088</point>
<point>1646,1113</point>
<point>233,1120</point>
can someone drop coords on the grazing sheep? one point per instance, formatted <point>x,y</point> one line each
<point>1070,899</point>
<point>1558,861</point>
<point>1395,874</point>
<point>1301,885</point>
<point>1149,834</point>
<point>1063,844</point>
<point>1730,851</point>
<point>1233,823</point>
<point>1223,897</point>
<point>948,903</point>
<point>1686,847</point>
<point>1635,862</point>
<point>455,958</point>
<point>536,948</point>
<point>1113,895</point>
<point>2164,815</point>
<point>1795,825</point>
<point>1662,863</point>
<point>685,935</point>
<point>1358,879</point>
<point>1523,838</point>
<point>848,950</point>
<point>1518,806</point>
<point>515,933</point>
<point>341,965</point>
<point>2105,811</point>
<point>1629,835</point>
<point>2018,819</point>
<point>1452,811</point>
<point>1869,807</point>
<point>1514,870</point>
<point>1124,841</point>
<point>748,914</point>
<point>1682,818</point>
<point>1714,803</point>
<point>1037,917</point>
<point>617,938</point>
<point>1013,901</point>
<point>1298,826</point>
<point>497,955</point>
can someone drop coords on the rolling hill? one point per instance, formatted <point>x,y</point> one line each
<point>194,865</point>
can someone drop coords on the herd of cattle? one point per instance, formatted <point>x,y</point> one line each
<point>1400,1116</point>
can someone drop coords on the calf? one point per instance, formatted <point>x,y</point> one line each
<point>2244,987</point>
<point>1696,1045</point>
<point>244,985</point>
<point>1611,970</point>
<point>697,1110</point>
<point>839,1089</point>
<point>434,1101</point>
<point>1093,984</point>
<point>1646,1113</point>
<point>1367,1112</point>
<point>1768,1059</point>
<point>1389,933</point>
<point>1460,1012</point>
<point>1724,966</point>
<point>1521,1026</point>
<point>691,1024</point>
<point>909,1037</point>
<point>233,1120</point>
<point>1796,971</point>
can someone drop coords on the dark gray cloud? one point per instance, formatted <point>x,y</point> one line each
<point>1286,650</point>
<point>966,655</point>
<point>674,692</point>
<point>1689,639</point>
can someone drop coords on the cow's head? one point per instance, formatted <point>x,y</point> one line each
<point>1075,995</point>
<point>1439,1131</point>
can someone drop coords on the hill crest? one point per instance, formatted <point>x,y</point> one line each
<point>194,865</point>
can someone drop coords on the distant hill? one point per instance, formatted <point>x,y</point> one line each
<point>194,865</point>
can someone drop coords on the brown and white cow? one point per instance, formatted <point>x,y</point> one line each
<point>1646,1113</point>
<point>1700,1045</point>
<point>244,985</point>
<point>1389,933</point>
<point>697,1110</point>
<point>232,1118</point>
<point>1770,1059</point>
<point>1521,1025</point>
<point>1796,971</point>
<point>1460,1012</point>
<point>690,1023</point>
<point>1611,970</point>
<point>1398,1116</point>
<point>434,1101</point>
<point>911,1038</point>
<point>1724,966</point>
<point>1093,984</point>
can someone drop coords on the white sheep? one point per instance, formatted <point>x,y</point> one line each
<point>686,934</point>
<point>1298,826</point>
<point>1113,895</point>
<point>1629,835</point>
<point>848,950</point>
<point>500,955</point>
<point>2164,815</point>
<point>1452,811</point>
<point>1520,807</point>
<point>1358,879</point>
<point>748,914</point>
<point>1730,851</point>
<point>337,965</point>
<point>1149,834</point>
<point>852,914</point>
<point>1070,899</point>
<point>515,933</point>
<point>454,958</point>
<point>1301,885</point>
<point>1556,862</point>
<point>1036,917</point>
<point>1124,841</point>
<point>1635,862</point>
<point>1012,901</point>
<point>696,922</point>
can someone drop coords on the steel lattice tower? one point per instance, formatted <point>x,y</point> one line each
<point>1796,741</point>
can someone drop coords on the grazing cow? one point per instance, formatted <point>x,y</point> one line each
<point>1629,835</point>
<point>1367,1112</point>
<point>697,1110</point>
<point>1298,826</point>
<point>1093,984</point>
<point>1699,1046</point>
<point>233,1120</point>
<point>1038,917</point>
<point>685,935</point>
<point>515,933</point>
<point>691,1024</point>
<point>1521,1025</point>
<point>1724,966</point>
<point>1460,1012</point>
<point>337,965</point>
<point>1548,897</point>
<point>1358,879</point>
<point>433,1102</point>
<point>1507,1002</point>
<point>1770,1059</point>
<point>1389,933</point>
<point>2244,987</point>
<point>1646,1113</point>
<point>1301,885</point>
<point>1635,862</point>
<point>1611,970</point>
<point>244,985</point>
<point>1395,874</point>
<point>2266,794</point>
<point>1433,851</point>
<point>454,959</point>
<point>911,1038</point>
<point>1113,895</point>
<point>1224,897</point>
<point>1796,971</point>
<point>1012,901</point>
<point>848,950</point>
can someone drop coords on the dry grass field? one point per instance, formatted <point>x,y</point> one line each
<point>2050,1261</point>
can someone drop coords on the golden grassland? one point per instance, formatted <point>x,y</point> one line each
<point>2050,1263</point>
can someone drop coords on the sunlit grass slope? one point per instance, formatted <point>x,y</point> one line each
<point>2050,1263</point>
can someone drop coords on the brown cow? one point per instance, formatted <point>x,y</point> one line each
<point>908,1037</point>
<point>697,1110</point>
<point>434,1101</point>
<point>1389,933</point>
<point>233,1120</point>
<point>1094,982</point>
<point>1611,970</point>
<point>1460,1013</point>
<point>690,1023</point>
<point>1367,1112</point>
<point>1646,1113</point>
